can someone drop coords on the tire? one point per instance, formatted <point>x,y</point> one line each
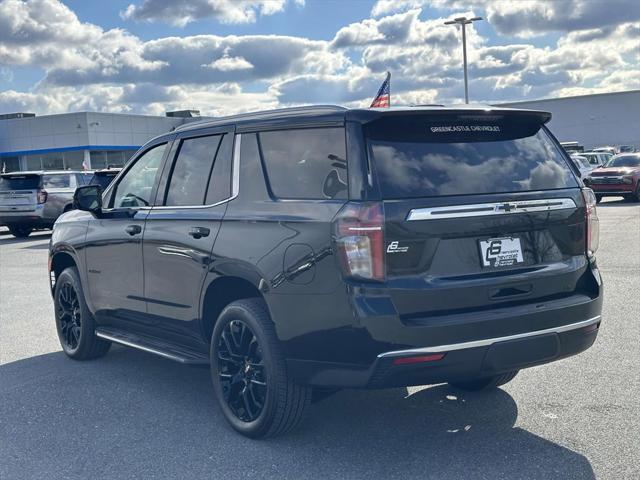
<point>20,231</point>
<point>636,196</point>
<point>598,198</point>
<point>485,383</point>
<point>249,373</point>
<point>74,323</point>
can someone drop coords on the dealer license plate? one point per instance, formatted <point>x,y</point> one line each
<point>501,252</point>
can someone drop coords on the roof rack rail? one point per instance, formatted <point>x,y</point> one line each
<point>258,114</point>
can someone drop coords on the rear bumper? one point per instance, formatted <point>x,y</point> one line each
<point>615,189</point>
<point>35,217</point>
<point>463,361</point>
<point>462,346</point>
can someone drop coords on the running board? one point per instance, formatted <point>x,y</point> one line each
<point>155,346</point>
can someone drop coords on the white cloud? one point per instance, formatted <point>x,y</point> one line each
<point>228,64</point>
<point>87,67</point>
<point>182,12</point>
<point>526,18</point>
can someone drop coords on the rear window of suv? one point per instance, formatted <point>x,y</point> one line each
<point>57,181</point>
<point>418,157</point>
<point>19,182</point>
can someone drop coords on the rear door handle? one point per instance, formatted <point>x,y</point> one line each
<point>199,232</point>
<point>133,229</point>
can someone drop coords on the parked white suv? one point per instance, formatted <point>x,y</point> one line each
<point>34,200</point>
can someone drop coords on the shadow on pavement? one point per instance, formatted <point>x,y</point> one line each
<point>132,415</point>
<point>5,240</point>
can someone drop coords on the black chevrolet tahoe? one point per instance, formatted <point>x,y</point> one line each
<point>305,250</point>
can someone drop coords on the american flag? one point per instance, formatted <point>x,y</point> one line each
<point>383,98</point>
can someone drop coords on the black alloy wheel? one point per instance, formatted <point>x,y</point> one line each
<point>69,316</point>
<point>74,322</point>
<point>242,371</point>
<point>251,383</point>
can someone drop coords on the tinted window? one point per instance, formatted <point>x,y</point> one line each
<point>309,163</point>
<point>624,161</point>
<point>134,189</point>
<point>103,179</point>
<point>220,182</point>
<point>56,181</point>
<point>580,162</point>
<point>84,178</point>
<point>192,170</point>
<point>419,158</point>
<point>20,182</point>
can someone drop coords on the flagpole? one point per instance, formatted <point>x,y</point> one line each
<point>389,77</point>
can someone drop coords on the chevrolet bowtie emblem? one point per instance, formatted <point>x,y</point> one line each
<point>508,207</point>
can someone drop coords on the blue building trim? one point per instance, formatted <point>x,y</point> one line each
<point>70,149</point>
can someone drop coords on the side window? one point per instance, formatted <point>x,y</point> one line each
<point>191,171</point>
<point>134,189</point>
<point>220,182</point>
<point>84,178</point>
<point>57,181</point>
<point>306,163</point>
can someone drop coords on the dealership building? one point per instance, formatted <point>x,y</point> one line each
<point>96,140</point>
<point>593,120</point>
<point>70,140</point>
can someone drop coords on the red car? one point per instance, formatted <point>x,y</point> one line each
<point>619,177</point>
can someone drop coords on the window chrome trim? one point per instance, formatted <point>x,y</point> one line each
<point>235,183</point>
<point>490,341</point>
<point>484,209</point>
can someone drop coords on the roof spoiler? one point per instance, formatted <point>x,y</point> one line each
<point>536,116</point>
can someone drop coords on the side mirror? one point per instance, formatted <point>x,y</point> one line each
<point>88,198</point>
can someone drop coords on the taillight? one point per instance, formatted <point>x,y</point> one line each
<point>359,237</point>
<point>42,196</point>
<point>593,224</point>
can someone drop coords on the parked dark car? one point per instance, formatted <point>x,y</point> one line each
<point>34,200</point>
<point>619,177</point>
<point>306,250</point>
<point>104,177</point>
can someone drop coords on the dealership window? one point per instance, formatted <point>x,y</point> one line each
<point>115,158</point>
<point>53,161</point>
<point>98,159</point>
<point>73,160</point>
<point>109,158</point>
<point>10,164</point>
<point>34,162</point>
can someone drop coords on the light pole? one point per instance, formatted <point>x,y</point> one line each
<point>464,21</point>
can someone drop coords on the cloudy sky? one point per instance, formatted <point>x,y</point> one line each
<point>226,56</point>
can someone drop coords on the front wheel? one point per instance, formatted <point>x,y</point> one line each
<point>598,198</point>
<point>74,322</point>
<point>485,383</point>
<point>20,231</point>
<point>249,373</point>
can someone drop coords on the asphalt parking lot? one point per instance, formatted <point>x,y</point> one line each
<point>134,415</point>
